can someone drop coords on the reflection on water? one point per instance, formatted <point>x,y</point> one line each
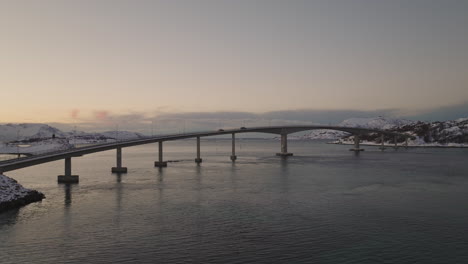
<point>68,194</point>
<point>325,204</point>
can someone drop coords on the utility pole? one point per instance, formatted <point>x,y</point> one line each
<point>74,137</point>
<point>17,143</point>
<point>117,132</point>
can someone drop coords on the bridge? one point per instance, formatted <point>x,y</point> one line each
<point>283,131</point>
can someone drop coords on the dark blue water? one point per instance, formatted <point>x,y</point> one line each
<point>323,205</point>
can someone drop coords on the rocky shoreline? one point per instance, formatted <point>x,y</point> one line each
<point>14,195</point>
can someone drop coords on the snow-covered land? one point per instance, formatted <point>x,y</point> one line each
<point>36,147</point>
<point>12,132</point>
<point>374,123</point>
<point>452,133</point>
<point>40,138</point>
<point>13,195</point>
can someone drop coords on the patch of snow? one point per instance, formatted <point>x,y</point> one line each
<point>36,147</point>
<point>11,190</point>
<point>454,131</point>
<point>324,134</point>
<point>375,122</point>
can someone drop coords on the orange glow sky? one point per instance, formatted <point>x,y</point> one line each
<point>67,60</point>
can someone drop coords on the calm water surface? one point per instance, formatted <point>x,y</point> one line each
<point>323,205</point>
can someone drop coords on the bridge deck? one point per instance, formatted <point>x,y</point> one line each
<point>14,164</point>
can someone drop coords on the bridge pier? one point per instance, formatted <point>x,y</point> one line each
<point>68,177</point>
<point>382,142</point>
<point>356,144</point>
<point>233,155</point>
<point>395,141</point>
<point>198,160</point>
<point>284,146</point>
<point>119,168</point>
<point>406,142</point>
<point>160,163</point>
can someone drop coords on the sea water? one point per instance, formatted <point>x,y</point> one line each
<point>323,205</point>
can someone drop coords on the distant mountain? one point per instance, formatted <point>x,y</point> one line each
<point>12,132</point>
<point>40,138</point>
<point>375,123</point>
<point>34,132</point>
<point>455,131</point>
<point>447,133</point>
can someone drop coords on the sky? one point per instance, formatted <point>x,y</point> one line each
<point>107,62</point>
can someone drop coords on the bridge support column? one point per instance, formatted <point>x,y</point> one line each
<point>395,142</point>
<point>284,146</point>
<point>160,163</point>
<point>233,155</point>
<point>198,159</point>
<point>119,168</point>
<point>68,177</point>
<point>382,142</point>
<point>356,144</point>
<point>406,142</point>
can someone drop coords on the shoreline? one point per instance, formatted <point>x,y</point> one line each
<point>399,146</point>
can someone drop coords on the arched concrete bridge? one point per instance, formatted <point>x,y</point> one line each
<point>19,163</point>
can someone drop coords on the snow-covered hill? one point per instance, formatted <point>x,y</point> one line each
<point>452,133</point>
<point>12,132</point>
<point>374,122</point>
<point>447,132</point>
<point>33,132</point>
<point>324,134</point>
<point>41,138</point>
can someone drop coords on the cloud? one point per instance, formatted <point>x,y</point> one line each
<point>443,113</point>
<point>101,115</point>
<point>305,115</point>
<point>163,122</point>
<point>209,115</point>
<point>74,113</point>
